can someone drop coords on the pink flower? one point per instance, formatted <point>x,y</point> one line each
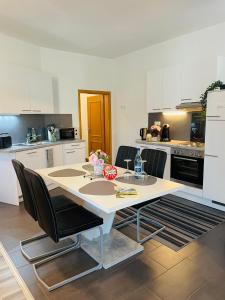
<point>93,159</point>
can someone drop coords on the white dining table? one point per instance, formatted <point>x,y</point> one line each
<point>117,246</point>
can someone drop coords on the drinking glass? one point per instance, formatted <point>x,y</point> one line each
<point>127,172</point>
<point>143,173</point>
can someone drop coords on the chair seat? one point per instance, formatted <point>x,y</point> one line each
<point>61,202</point>
<point>140,205</point>
<point>75,220</point>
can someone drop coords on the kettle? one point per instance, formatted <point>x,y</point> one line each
<point>143,133</point>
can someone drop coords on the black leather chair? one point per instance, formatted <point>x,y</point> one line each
<point>126,152</point>
<point>60,224</point>
<point>59,202</point>
<point>154,166</point>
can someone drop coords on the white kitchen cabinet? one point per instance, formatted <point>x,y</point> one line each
<point>171,88</point>
<point>154,90</point>
<point>216,105</point>
<point>73,153</point>
<point>40,92</point>
<point>57,155</point>
<point>25,91</point>
<point>13,90</point>
<point>214,174</point>
<point>163,89</point>
<point>196,76</point>
<point>32,159</point>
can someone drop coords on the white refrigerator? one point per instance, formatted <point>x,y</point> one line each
<point>214,163</point>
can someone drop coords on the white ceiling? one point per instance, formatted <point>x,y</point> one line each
<point>107,28</point>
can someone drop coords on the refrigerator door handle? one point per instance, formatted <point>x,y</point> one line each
<point>210,155</point>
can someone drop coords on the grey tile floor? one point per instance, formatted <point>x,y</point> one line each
<point>195,272</point>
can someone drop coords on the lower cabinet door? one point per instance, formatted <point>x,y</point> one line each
<point>74,156</point>
<point>214,174</point>
<point>32,159</point>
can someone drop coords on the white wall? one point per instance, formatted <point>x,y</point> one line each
<point>14,51</point>
<point>131,69</point>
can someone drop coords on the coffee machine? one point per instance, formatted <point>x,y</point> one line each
<point>165,134</point>
<point>143,133</point>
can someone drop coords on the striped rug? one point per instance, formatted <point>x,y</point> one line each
<point>12,286</point>
<point>185,220</point>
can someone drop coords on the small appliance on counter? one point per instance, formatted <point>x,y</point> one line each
<point>5,140</point>
<point>143,133</point>
<point>165,133</point>
<point>67,133</point>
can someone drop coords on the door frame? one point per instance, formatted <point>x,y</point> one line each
<point>108,94</point>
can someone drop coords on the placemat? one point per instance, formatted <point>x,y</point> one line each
<point>147,180</point>
<point>88,168</point>
<point>100,188</point>
<point>66,173</point>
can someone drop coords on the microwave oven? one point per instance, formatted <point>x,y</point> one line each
<point>66,133</point>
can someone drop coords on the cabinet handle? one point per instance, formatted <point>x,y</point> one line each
<point>70,151</point>
<point>31,152</point>
<point>210,155</point>
<point>186,99</point>
<point>213,116</point>
<point>76,145</point>
<point>36,110</point>
<point>26,110</point>
<point>156,109</point>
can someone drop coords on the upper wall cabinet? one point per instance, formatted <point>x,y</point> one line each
<point>163,89</point>
<point>13,90</point>
<point>154,90</point>
<point>40,92</point>
<point>196,77</point>
<point>24,90</point>
<point>168,87</point>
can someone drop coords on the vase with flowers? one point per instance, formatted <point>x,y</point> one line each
<point>98,159</point>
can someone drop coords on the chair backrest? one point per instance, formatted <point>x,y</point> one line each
<point>27,196</point>
<point>126,152</point>
<point>45,211</point>
<point>155,162</point>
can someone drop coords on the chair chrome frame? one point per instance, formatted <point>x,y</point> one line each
<point>136,217</point>
<point>28,241</point>
<point>75,277</point>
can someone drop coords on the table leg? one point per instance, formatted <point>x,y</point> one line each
<point>117,246</point>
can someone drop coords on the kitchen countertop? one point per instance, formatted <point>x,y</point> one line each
<point>173,144</point>
<point>42,144</point>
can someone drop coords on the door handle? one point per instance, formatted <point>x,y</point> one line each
<point>31,152</point>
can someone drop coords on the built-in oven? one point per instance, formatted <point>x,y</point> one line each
<point>187,167</point>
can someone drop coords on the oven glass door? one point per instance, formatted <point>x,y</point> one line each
<point>187,169</point>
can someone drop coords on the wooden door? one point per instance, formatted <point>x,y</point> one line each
<point>96,123</point>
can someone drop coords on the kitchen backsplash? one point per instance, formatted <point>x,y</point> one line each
<point>17,126</point>
<point>180,125</point>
